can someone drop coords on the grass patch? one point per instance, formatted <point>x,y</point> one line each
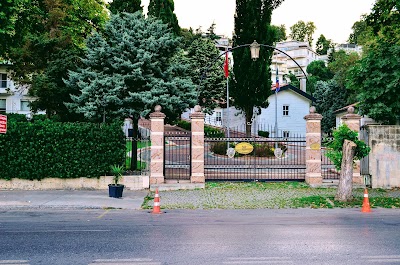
<point>256,185</point>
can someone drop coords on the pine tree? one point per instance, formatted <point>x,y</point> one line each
<point>252,79</point>
<point>128,6</point>
<point>164,10</point>
<point>207,73</point>
<point>133,67</point>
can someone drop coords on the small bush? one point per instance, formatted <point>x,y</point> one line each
<point>263,134</point>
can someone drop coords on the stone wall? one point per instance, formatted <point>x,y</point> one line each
<point>130,182</point>
<point>384,159</point>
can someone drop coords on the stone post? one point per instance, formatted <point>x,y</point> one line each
<point>157,146</point>
<point>352,120</point>
<point>197,159</point>
<point>313,148</point>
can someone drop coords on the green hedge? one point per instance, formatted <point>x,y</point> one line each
<point>42,149</point>
<point>208,130</point>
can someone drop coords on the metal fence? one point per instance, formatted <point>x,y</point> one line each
<point>177,156</point>
<point>138,164</point>
<point>261,164</point>
<point>328,170</point>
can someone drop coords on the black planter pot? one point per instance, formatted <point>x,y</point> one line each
<point>115,191</point>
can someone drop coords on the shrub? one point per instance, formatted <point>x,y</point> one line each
<point>263,134</point>
<point>335,153</point>
<point>208,130</point>
<point>42,149</point>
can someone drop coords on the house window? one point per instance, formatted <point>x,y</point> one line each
<point>285,110</point>
<point>286,134</point>
<point>3,80</point>
<point>218,115</point>
<point>25,105</point>
<point>2,105</point>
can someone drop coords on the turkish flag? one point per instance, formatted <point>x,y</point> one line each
<point>226,65</point>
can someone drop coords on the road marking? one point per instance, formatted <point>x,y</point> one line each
<point>55,231</point>
<point>14,262</point>
<point>138,261</point>
<point>259,260</point>
<point>102,215</point>
<point>383,258</point>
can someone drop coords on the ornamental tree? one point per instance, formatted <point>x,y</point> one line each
<point>133,66</point>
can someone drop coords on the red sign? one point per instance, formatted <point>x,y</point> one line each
<point>3,123</point>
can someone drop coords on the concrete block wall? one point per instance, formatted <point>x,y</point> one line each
<point>384,158</point>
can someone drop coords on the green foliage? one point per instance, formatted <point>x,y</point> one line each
<point>207,73</point>
<point>44,38</point>
<point>208,130</point>
<point>251,85</point>
<point>362,33</point>
<point>335,151</point>
<point>128,6</point>
<point>375,78</point>
<point>329,98</point>
<point>302,31</point>
<point>293,79</point>
<point>263,133</point>
<point>280,33</point>
<point>323,45</point>
<point>164,10</point>
<point>47,149</point>
<point>117,171</point>
<point>134,66</point>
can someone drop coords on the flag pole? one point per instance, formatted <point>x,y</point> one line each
<point>276,104</point>
<point>227,93</point>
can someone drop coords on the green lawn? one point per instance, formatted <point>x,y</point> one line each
<point>140,145</point>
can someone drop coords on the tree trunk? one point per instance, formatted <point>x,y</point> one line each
<point>249,121</point>
<point>345,188</point>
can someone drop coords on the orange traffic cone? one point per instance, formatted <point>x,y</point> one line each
<point>156,208</point>
<point>365,206</point>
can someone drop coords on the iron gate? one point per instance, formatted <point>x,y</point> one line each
<point>328,170</point>
<point>261,164</point>
<point>177,156</point>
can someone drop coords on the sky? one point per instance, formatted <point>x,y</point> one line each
<point>333,19</point>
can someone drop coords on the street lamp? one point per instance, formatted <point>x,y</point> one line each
<point>255,50</point>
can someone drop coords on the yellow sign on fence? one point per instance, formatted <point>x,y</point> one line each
<point>244,148</point>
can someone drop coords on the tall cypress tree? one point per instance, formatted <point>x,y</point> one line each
<point>164,10</point>
<point>252,79</point>
<point>128,6</point>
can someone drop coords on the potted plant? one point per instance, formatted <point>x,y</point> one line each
<point>115,190</point>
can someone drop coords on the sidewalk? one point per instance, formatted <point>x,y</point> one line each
<point>83,199</point>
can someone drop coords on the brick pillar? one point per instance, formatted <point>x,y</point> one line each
<point>197,159</point>
<point>157,146</point>
<point>313,148</point>
<point>352,120</point>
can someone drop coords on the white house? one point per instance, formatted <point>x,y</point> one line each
<point>13,99</point>
<point>292,105</point>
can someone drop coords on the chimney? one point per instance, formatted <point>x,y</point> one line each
<point>303,84</point>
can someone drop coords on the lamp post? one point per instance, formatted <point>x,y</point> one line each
<point>255,54</point>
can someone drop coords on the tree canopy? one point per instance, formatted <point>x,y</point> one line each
<point>44,38</point>
<point>302,31</point>
<point>164,10</point>
<point>375,78</point>
<point>133,66</point>
<point>251,85</point>
<point>323,45</point>
<point>128,6</point>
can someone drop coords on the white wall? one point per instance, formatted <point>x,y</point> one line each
<point>298,108</point>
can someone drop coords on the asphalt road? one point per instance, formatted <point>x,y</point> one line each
<point>295,236</point>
